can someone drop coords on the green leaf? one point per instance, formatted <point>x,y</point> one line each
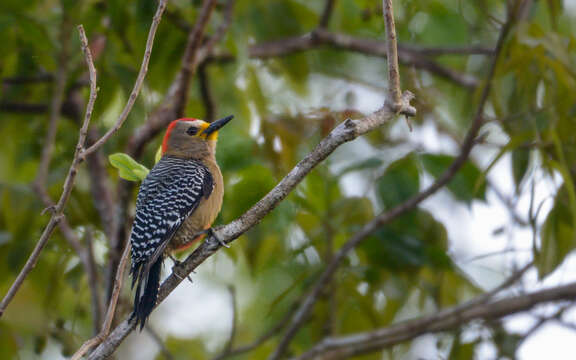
<point>520,162</point>
<point>464,184</point>
<point>558,236</point>
<point>400,181</point>
<point>128,168</point>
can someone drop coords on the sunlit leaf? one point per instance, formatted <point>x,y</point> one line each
<point>128,168</point>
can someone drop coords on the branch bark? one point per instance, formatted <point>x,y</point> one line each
<point>137,84</point>
<point>345,132</point>
<point>364,342</point>
<point>81,152</point>
<point>306,308</point>
<point>58,209</point>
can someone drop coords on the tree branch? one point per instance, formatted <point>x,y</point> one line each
<point>137,84</point>
<point>345,132</point>
<point>58,209</point>
<point>105,330</point>
<point>394,92</point>
<point>361,343</point>
<point>305,310</point>
<point>181,85</point>
<point>407,55</point>
<point>326,13</point>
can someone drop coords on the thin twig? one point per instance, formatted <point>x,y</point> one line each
<point>174,102</point>
<point>57,211</point>
<point>137,84</point>
<point>260,340</point>
<point>89,344</point>
<point>326,13</point>
<point>55,105</point>
<point>189,60</point>
<point>206,93</point>
<point>394,92</point>
<point>234,307</point>
<point>158,340</point>
<point>93,281</point>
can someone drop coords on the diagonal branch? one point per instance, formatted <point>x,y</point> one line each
<point>58,209</point>
<point>81,152</point>
<point>345,132</point>
<point>306,308</point>
<point>365,342</point>
<point>137,84</point>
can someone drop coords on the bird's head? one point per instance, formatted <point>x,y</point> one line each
<point>189,137</point>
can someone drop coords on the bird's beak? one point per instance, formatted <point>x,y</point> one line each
<point>216,125</point>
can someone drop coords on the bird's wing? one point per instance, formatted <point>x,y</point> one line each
<point>170,193</point>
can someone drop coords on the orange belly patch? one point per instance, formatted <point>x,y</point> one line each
<point>189,244</point>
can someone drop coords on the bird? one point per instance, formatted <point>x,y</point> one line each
<point>176,205</point>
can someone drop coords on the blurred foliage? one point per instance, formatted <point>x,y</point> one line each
<point>283,107</point>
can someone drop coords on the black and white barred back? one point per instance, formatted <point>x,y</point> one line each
<point>169,195</point>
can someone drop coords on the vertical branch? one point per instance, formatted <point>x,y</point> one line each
<point>137,84</point>
<point>93,281</point>
<point>234,307</point>
<point>119,280</point>
<point>394,98</point>
<point>206,93</point>
<point>326,14</point>
<point>57,211</point>
<point>55,104</point>
<point>190,56</point>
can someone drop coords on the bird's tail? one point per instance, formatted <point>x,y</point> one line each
<point>148,282</point>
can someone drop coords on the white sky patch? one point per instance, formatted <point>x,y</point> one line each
<point>277,144</point>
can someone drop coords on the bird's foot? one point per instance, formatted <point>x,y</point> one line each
<point>177,263</point>
<point>212,233</point>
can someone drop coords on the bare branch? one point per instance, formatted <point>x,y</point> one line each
<point>57,210</point>
<point>206,93</point>
<point>111,309</point>
<point>326,13</point>
<point>233,306</point>
<point>407,55</point>
<point>394,92</point>
<point>137,84</point>
<point>188,68</point>
<point>173,105</point>
<point>444,320</point>
<point>158,340</point>
<point>261,340</point>
<point>55,105</point>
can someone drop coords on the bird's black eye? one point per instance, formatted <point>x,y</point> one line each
<point>192,130</point>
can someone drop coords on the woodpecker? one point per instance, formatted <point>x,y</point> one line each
<point>176,204</point>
